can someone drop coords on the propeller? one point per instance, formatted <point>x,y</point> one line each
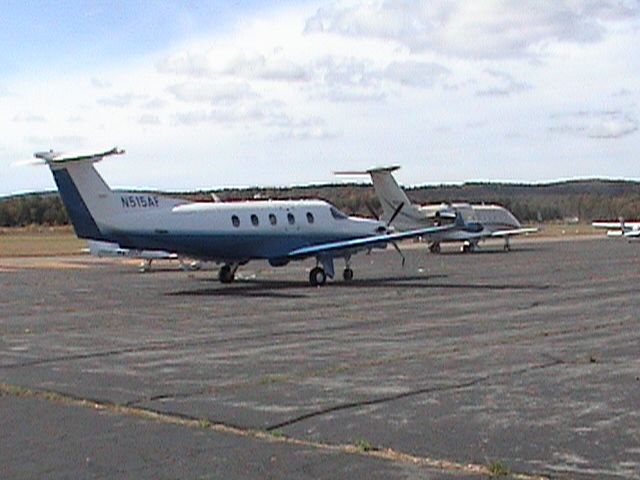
<point>395,214</point>
<point>395,245</point>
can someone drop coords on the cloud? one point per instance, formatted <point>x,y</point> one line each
<point>148,119</point>
<point>416,74</point>
<point>503,85</point>
<point>29,118</point>
<point>212,92</point>
<point>119,101</point>
<point>99,83</point>
<point>595,124</point>
<point>478,30</point>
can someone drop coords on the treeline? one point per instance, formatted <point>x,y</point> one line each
<point>586,200</point>
<point>32,209</point>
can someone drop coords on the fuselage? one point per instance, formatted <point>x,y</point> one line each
<point>232,231</point>
<point>482,220</point>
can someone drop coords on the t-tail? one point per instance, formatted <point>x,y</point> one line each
<point>92,206</point>
<point>391,196</point>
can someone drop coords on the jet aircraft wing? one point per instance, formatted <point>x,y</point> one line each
<point>364,242</point>
<point>514,231</point>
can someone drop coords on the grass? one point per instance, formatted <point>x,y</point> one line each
<point>498,469</point>
<point>364,445</point>
<point>39,241</point>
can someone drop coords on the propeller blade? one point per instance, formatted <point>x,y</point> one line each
<point>395,214</point>
<point>395,245</point>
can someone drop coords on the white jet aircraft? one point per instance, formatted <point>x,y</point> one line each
<point>110,249</point>
<point>628,230</point>
<point>231,233</point>
<point>480,221</point>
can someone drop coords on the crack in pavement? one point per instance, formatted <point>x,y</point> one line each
<point>510,340</point>
<point>410,393</point>
<point>382,453</point>
<point>168,345</point>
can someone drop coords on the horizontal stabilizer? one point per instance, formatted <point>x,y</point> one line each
<point>390,169</point>
<point>52,157</point>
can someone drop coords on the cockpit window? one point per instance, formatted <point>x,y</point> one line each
<point>337,214</point>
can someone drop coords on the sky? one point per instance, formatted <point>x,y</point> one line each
<point>211,94</point>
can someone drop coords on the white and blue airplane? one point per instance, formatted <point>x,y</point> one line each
<point>230,233</point>
<point>480,221</point>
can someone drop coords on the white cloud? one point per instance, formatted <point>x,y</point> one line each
<point>593,124</point>
<point>438,87</point>
<point>473,29</point>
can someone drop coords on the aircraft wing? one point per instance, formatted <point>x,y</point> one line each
<point>365,242</point>
<point>631,234</point>
<point>514,231</point>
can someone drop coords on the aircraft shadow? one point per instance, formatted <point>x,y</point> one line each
<point>300,289</point>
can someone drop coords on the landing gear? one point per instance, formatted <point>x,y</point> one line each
<point>434,247</point>
<point>145,266</point>
<point>347,275</point>
<point>317,276</point>
<point>507,245</point>
<point>468,247</point>
<point>227,273</point>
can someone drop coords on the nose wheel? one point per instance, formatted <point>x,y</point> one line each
<point>317,277</point>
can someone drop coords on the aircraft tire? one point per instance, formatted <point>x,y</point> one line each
<point>317,277</point>
<point>347,275</point>
<point>226,275</point>
<point>434,247</point>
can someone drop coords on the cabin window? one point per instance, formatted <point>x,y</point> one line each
<point>272,219</point>
<point>254,220</point>
<point>290,218</point>
<point>310,217</point>
<point>337,214</point>
<point>235,220</point>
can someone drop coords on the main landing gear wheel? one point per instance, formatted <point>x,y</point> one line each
<point>317,277</point>
<point>347,274</point>
<point>507,248</point>
<point>468,248</point>
<point>434,247</point>
<point>226,275</point>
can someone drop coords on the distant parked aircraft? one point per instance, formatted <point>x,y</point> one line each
<point>110,249</point>
<point>628,230</point>
<point>231,233</point>
<point>481,221</point>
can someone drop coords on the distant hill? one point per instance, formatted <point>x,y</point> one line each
<point>531,203</point>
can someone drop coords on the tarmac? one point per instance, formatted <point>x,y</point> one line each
<point>453,366</point>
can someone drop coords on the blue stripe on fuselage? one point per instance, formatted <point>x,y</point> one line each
<point>83,223</point>
<point>227,246</point>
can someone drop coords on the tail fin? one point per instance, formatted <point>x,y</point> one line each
<point>82,189</point>
<point>391,195</point>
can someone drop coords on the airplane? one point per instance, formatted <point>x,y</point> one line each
<point>628,230</point>
<point>480,221</point>
<point>229,233</point>
<point>110,249</point>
